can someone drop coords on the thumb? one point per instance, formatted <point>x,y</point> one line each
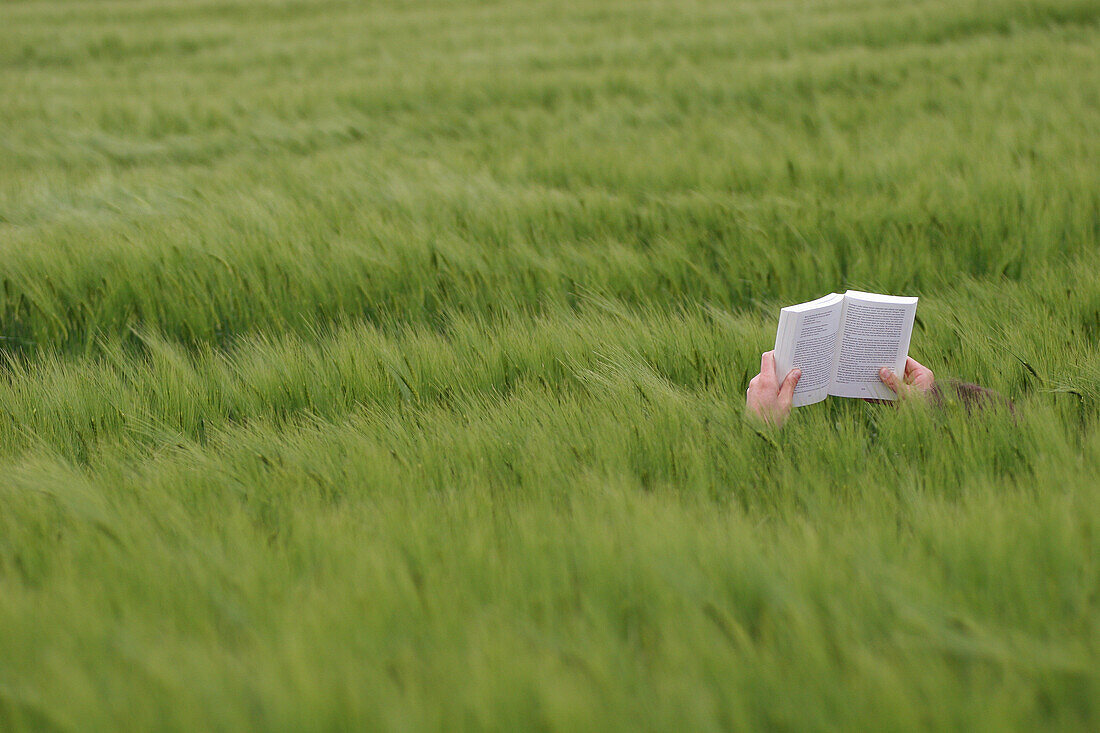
<point>890,379</point>
<point>786,390</point>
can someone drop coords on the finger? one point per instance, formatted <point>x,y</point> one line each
<point>786,390</point>
<point>767,367</point>
<point>921,369</point>
<point>890,379</point>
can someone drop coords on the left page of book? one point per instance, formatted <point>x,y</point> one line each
<point>807,339</point>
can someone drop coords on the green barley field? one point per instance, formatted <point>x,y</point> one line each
<point>381,365</point>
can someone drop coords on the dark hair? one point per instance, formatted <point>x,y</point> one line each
<point>970,395</point>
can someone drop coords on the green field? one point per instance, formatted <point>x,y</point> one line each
<point>381,365</point>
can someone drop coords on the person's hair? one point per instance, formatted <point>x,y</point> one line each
<point>970,395</point>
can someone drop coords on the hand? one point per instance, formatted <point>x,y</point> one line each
<point>918,380</point>
<point>766,399</point>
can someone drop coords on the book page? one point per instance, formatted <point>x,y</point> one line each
<point>875,332</point>
<point>806,339</point>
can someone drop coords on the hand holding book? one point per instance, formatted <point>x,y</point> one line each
<point>850,345</point>
<point>767,398</point>
<point>918,379</point>
<point>770,401</point>
<point>840,342</point>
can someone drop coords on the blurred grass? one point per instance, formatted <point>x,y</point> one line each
<point>381,365</point>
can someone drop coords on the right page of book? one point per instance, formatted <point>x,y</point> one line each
<point>874,333</point>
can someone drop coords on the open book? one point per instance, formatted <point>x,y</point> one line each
<point>841,341</point>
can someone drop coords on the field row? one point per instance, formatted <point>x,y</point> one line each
<point>234,273</point>
<point>147,391</point>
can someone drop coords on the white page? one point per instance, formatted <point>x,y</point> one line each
<point>874,333</point>
<point>807,339</point>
